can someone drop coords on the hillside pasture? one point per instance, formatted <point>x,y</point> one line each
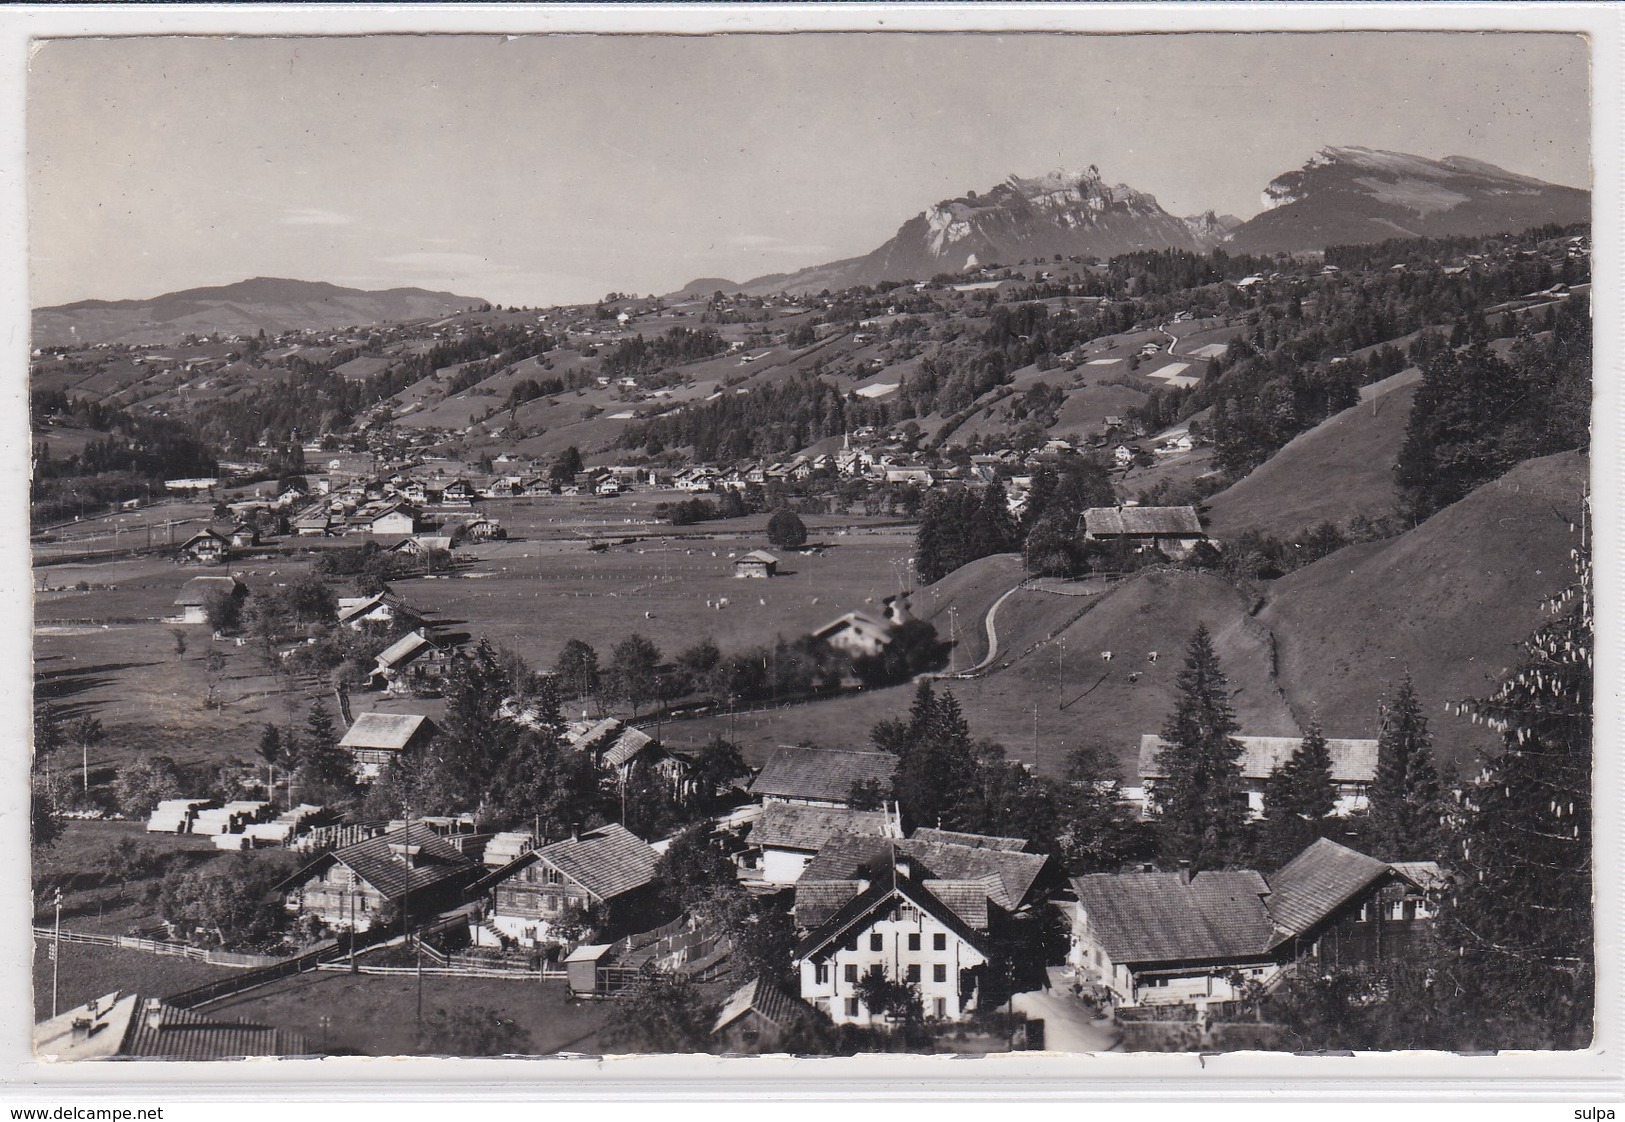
<point>534,595</point>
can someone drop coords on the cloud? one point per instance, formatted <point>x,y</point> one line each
<point>312,216</point>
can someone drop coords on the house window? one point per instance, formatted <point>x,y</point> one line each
<point>914,941</point>
<point>914,972</point>
<point>852,943</point>
<point>850,973</point>
<point>821,973</point>
<point>877,942</point>
<point>851,1007</point>
<point>1410,909</point>
<point>1365,913</point>
<point>939,942</point>
<point>939,972</point>
<point>941,1007</point>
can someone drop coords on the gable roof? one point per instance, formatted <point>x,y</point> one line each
<point>975,841</point>
<point>817,900</point>
<point>857,621</point>
<point>198,590</point>
<point>768,1001</point>
<point>761,555</point>
<point>1353,761</point>
<point>794,826</point>
<point>608,862</point>
<point>858,913</point>
<point>404,649</point>
<point>1009,875</point>
<point>827,774</point>
<point>387,731</point>
<point>1317,882</point>
<point>126,1025</point>
<point>626,747</point>
<point>375,862</point>
<point>1178,521</point>
<point>1158,917</point>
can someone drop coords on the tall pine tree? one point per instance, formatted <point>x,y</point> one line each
<point>1406,808</point>
<point>1202,804</point>
<point>1519,920</point>
<point>1299,798</point>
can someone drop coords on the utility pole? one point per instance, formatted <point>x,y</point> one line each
<point>56,950</point>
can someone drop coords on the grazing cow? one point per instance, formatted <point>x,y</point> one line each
<point>1105,656</point>
<point>1134,677</point>
<point>1152,657</point>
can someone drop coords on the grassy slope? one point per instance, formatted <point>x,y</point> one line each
<point>1342,467</point>
<point>1155,611</point>
<point>1447,601</point>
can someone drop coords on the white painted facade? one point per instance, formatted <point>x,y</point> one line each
<point>913,946</point>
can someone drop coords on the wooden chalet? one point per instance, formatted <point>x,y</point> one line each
<point>195,593</point>
<point>207,546</point>
<point>758,1016</point>
<point>1171,530</point>
<point>413,651</point>
<point>376,739</point>
<point>411,867</point>
<point>355,612</point>
<point>1178,938</point>
<point>607,873</point>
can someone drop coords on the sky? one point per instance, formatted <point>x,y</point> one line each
<point>543,169</point>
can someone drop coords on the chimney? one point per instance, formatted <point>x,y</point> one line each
<point>1184,872</point>
<point>81,1027</point>
<point>903,866</point>
<point>155,1013</point>
<point>575,831</point>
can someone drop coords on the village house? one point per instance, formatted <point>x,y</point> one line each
<point>376,739</point>
<point>1183,938</point>
<point>395,518</point>
<point>856,634</point>
<point>313,525</point>
<point>481,529</point>
<point>411,867</point>
<point>207,546</point>
<point>607,874</point>
<point>126,1026</point>
<point>928,933</point>
<point>910,475</point>
<point>413,652</point>
<point>617,747</point>
<point>244,535</point>
<point>786,836</point>
<point>1354,767</point>
<point>355,612</point>
<point>195,593</point>
<point>1012,880</point>
<point>1171,530</point>
<point>820,776</point>
<point>757,563</point>
<point>758,1018</point>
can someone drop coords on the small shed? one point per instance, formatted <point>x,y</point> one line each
<point>377,738</point>
<point>581,967</point>
<point>757,563</point>
<point>194,598</point>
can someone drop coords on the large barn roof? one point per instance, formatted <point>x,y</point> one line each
<point>1353,761</point>
<point>1161,917</point>
<point>795,826</point>
<point>1142,521</point>
<point>387,731</point>
<point>825,774</point>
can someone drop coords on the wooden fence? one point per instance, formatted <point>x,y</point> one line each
<point>157,947</point>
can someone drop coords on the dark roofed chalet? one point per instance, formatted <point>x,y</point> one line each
<point>1354,766</point>
<point>820,775</point>
<point>609,870</point>
<point>377,738</point>
<point>758,1015</point>
<point>608,862</point>
<point>1142,918</point>
<point>411,865</point>
<point>1172,529</point>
